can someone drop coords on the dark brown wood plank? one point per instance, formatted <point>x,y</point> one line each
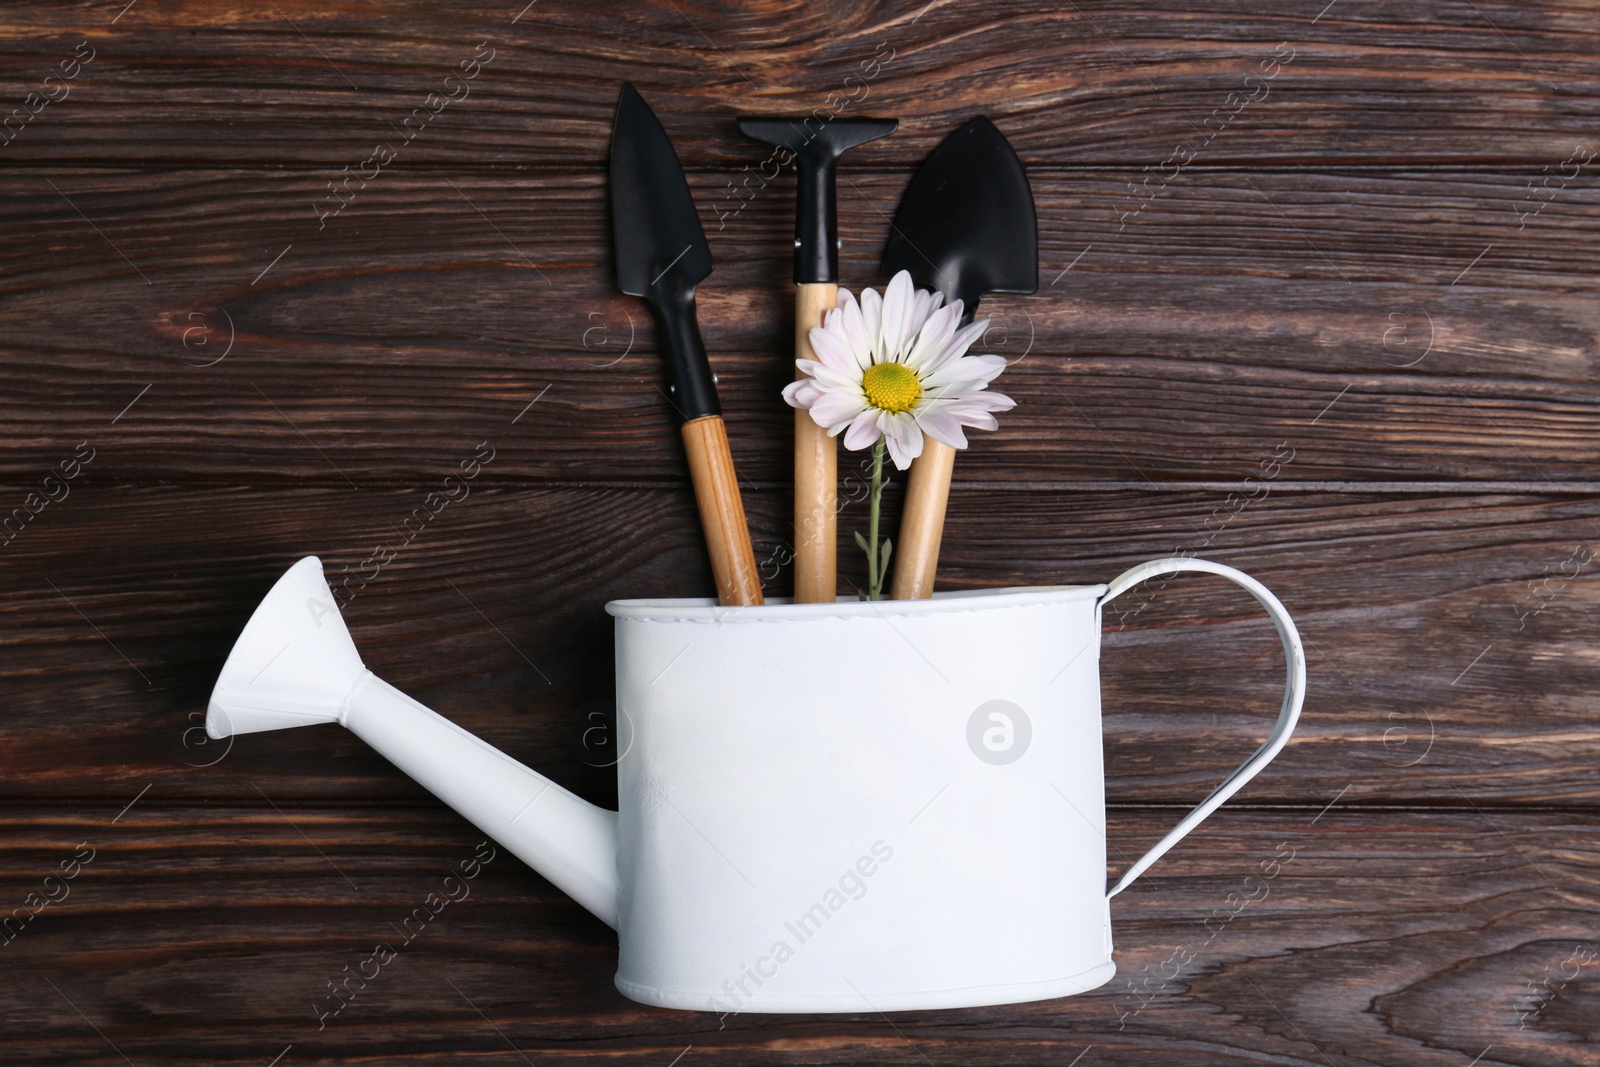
<point>207,934</point>
<point>1447,636</point>
<point>1394,328</point>
<point>312,84</point>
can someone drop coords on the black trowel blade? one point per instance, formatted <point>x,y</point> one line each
<point>661,247</point>
<point>966,224</point>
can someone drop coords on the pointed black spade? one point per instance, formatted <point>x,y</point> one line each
<point>966,225</point>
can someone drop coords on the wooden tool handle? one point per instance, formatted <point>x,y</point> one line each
<point>716,490</point>
<point>816,469</point>
<point>916,553</point>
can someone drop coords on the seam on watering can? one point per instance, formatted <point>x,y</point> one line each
<point>342,712</point>
<point>743,616</point>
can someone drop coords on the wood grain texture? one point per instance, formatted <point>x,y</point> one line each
<point>1447,642</point>
<point>301,83</point>
<point>722,519</point>
<point>414,327</point>
<point>209,934</point>
<point>816,468</point>
<point>1317,299</point>
<point>922,521</point>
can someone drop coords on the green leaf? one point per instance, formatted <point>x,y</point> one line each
<point>887,547</point>
<point>861,541</point>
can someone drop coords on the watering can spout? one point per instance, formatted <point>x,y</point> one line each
<point>295,665</point>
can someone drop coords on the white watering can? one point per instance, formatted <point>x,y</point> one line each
<point>861,806</point>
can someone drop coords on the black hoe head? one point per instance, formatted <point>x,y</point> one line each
<point>661,247</point>
<point>817,144</point>
<point>816,139</point>
<point>966,224</point>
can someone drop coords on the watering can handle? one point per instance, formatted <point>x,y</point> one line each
<point>1293,697</point>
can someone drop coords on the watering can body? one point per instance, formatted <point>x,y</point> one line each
<point>822,807</point>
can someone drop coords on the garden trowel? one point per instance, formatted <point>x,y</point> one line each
<point>661,255</point>
<point>965,227</point>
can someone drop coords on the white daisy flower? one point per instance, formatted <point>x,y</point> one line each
<point>895,368</point>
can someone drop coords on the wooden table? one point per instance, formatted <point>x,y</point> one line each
<point>1317,300</point>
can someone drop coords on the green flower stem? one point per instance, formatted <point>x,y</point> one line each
<point>876,564</point>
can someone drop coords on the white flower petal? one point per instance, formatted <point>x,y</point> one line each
<point>923,304</point>
<point>872,323</point>
<point>890,431</point>
<point>943,427</point>
<point>898,300</point>
<point>958,344</point>
<point>853,327</point>
<point>863,431</point>
<point>974,415</point>
<point>950,390</point>
<point>837,410</point>
<point>962,375</point>
<point>833,350</point>
<point>978,420</point>
<point>968,334</point>
<point>849,381</point>
<point>802,393</point>
<point>904,437</point>
<point>932,339</point>
<point>988,401</point>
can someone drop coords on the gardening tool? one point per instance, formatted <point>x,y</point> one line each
<point>816,145</point>
<point>965,227</point>
<point>661,255</point>
<point>803,825</point>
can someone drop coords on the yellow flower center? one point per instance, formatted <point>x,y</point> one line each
<point>891,387</point>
